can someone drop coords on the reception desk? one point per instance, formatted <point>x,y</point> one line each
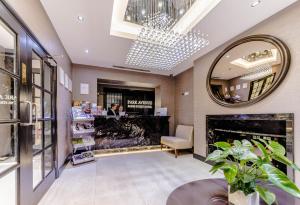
<point>128,132</point>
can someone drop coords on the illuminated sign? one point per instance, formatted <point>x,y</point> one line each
<point>7,99</point>
<point>140,104</point>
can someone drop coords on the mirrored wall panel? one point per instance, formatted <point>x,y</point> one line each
<point>248,70</point>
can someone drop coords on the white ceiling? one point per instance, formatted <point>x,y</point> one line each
<point>225,21</point>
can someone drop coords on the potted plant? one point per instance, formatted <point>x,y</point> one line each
<point>246,165</point>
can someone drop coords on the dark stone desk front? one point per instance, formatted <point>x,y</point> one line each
<point>131,131</point>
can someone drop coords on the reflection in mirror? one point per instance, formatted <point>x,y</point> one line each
<point>246,72</point>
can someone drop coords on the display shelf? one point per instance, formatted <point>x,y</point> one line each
<point>83,142</point>
<point>83,132</point>
<point>82,136</point>
<point>83,157</point>
<point>84,119</point>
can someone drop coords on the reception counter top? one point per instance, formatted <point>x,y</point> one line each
<point>131,131</point>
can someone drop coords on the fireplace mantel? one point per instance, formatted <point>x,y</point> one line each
<point>278,127</point>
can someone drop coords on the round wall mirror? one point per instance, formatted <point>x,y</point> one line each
<point>248,70</point>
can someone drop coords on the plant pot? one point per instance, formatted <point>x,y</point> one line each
<point>239,198</point>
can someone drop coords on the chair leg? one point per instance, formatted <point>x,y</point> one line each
<point>176,153</point>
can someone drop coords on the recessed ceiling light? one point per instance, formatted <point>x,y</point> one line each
<point>86,51</point>
<point>181,11</point>
<point>143,11</point>
<point>80,19</point>
<point>255,3</point>
<point>160,4</point>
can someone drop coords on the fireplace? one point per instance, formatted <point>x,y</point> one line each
<point>278,127</point>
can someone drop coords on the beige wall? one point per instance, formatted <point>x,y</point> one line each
<point>164,85</point>
<point>184,112</point>
<point>33,14</point>
<point>286,99</point>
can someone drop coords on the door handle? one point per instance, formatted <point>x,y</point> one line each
<point>30,114</point>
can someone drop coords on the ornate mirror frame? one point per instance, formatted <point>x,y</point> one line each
<point>286,60</point>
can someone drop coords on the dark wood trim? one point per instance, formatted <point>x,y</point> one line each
<point>286,61</point>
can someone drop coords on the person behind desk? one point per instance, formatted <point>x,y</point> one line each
<point>121,111</point>
<point>112,111</point>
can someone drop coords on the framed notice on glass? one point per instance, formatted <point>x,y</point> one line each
<point>66,81</point>
<point>70,85</point>
<point>84,88</point>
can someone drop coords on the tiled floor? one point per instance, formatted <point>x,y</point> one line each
<point>131,179</point>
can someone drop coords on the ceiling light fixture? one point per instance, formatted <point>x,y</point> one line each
<point>80,19</point>
<point>143,11</point>
<point>160,4</point>
<point>255,3</point>
<point>159,47</point>
<point>86,51</point>
<point>181,11</point>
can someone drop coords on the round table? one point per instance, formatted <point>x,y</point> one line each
<point>214,192</point>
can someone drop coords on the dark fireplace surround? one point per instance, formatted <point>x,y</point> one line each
<point>278,127</point>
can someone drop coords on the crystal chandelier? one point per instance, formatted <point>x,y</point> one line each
<point>138,11</point>
<point>159,47</point>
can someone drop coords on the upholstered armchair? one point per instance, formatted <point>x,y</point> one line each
<point>183,139</point>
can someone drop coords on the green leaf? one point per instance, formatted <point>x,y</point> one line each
<point>279,179</point>
<point>266,195</point>
<point>222,145</point>
<point>248,178</point>
<point>264,141</point>
<point>216,167</point>
<point>277,148</point>
<point>248,156</point>
<point>261,148</point>
<point>215,155</point>
<point>246,143</point>
<point>230,172</point>
<point>237,143</point>
<point>285,160</point>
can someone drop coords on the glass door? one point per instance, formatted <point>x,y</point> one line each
<point>9,117</point>
<point>42,146</point>
<point>27,115</point>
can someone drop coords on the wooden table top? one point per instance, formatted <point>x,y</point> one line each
<point>214,192</point>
